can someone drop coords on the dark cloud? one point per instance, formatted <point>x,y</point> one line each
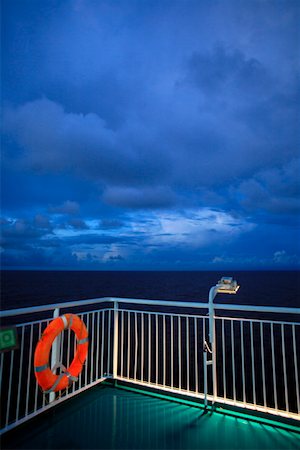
<point>22,242</point>
<point>35,258</point>
<point>22,230</point>
<point>156,197</point>
<point>78,224</point>
<point>55,141</point>
<point>68,207</point>
<point>43,222</point>
<point>269,190</point>
<point>154,134</point>
<point>108,224</point>
<point>92,239</point>
<point>227,69</point>
<point>96,96</point>
<point>116,258</point>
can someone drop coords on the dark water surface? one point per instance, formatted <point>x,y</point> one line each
<point>28,288</point>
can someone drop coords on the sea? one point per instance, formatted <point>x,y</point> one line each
<point>262,288</point>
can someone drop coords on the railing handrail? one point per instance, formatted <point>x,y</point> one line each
<point>51,307</point>
<point>141,301</point>
<point>70,304</point>
<point>200,305</point>
<point>167,303</point>
<point>253,308</point>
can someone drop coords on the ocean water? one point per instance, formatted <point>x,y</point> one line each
<point>28,288</point>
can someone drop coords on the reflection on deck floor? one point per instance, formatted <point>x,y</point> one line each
<point>108,418</point>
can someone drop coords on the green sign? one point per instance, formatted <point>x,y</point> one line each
<point>8,339</point>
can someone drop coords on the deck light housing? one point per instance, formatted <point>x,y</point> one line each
<point>227,285</point>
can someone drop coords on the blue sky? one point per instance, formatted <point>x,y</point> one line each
<point>152,135</point>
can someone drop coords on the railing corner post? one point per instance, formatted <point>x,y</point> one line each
<point>116,339</point>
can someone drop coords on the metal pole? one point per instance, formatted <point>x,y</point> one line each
<point>227,286</point>
<point>214,362</point>
<point>205,379</point>
<point>212,294</point>
<point>116,338</point>
<point>54,354</point>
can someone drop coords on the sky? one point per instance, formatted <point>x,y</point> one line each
<point>150,135</point>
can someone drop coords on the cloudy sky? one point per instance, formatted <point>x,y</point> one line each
<point>150,134</point>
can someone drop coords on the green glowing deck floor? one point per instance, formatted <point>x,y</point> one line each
<point>110,418</point>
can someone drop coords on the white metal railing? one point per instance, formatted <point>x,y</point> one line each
<point>21,397</point>
<point>257,364</point>
<point>253,363</point>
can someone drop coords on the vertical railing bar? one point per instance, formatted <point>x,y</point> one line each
<point>55,354</point>
<point>87,361</point>
<point>224,359</point>
<point>1,370</point>
<point>149,348</point>
<point>68,331</point>
<point>233,360</point>
<point>187,354</point>
<point>135,345</point>
<point>287,407</point>
<point>102,343</point>
<point>108,344</point>
<point>243,361</point>
<point>44,399</point>
<point>36,384</point>
<point>164,350</point>
<point>214,357</point>
<point>128,343</point>
<point>69,345</point>
<point>122,343</point>
<point>61,347</point>
<point>44,395</point>
<point>68,351</point>
<point>9,385</point>
<point>156,348</point>
<point>98,344</point>
<point>29,369</point>
<point>74,349</point>
<point>115,355</point>
<point>263,361</point>
<point>273,367</point>
<point>172,351</point>
<point>296,368</point>
<point>92,348</point>
<point>196,354</point>
<point>20,374</point>
<point>252,364</point>
<point>204,362</point>
<point>179,351</point>
<point>142,347</point>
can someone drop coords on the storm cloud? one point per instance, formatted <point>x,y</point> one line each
<point>150,135</point>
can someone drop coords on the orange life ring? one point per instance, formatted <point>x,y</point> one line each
<point>49,381</point>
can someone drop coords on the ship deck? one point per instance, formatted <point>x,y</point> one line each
<point>106,417</point>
